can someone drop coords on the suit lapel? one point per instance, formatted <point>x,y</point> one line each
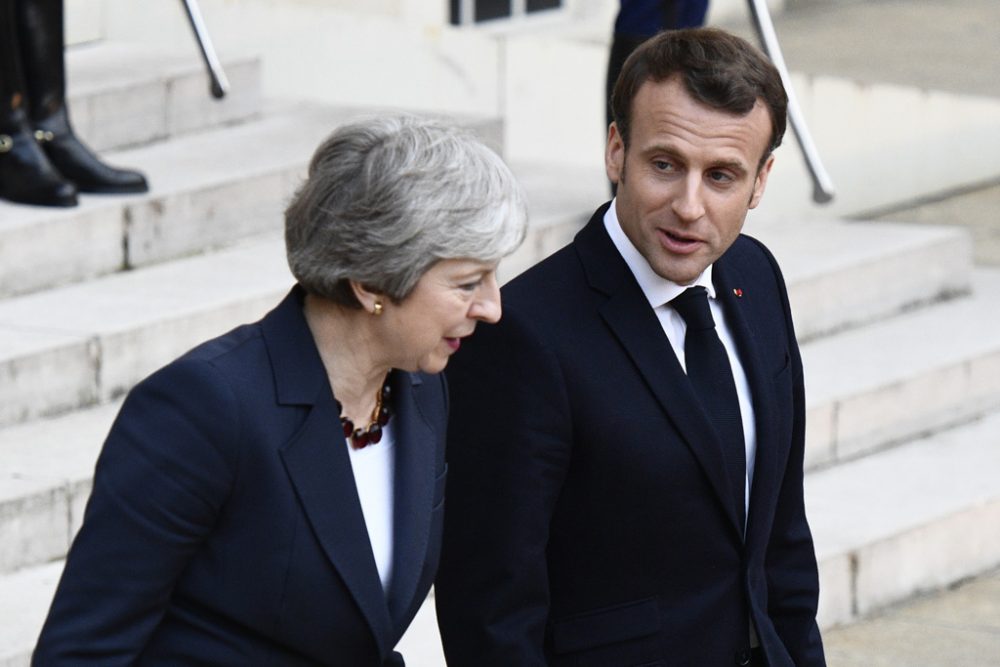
<point>318,464</point>
<point>320,468</point>
<point>746,332</point>
<point>635,325</point>
<point>414,490</point>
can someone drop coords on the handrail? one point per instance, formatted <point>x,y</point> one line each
<point>218,84</point>
<point>823,190</point>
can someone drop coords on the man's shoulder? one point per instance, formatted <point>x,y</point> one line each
<point>547,280</point>
<point>750,256</point>
<point>750,248</point>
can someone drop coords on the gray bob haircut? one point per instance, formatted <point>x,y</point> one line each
<point>388,197</point>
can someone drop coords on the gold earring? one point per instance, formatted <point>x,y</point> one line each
<point>377,308</point>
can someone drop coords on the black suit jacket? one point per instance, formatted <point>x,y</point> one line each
<point>590,523</point>
<point>224,526</point>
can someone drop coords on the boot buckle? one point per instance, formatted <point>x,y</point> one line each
<point>44,136</point>
<point>6,143</point>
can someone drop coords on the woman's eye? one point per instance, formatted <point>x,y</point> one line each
<point>470,287</point>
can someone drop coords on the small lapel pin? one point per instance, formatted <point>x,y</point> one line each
<point>738,292</point>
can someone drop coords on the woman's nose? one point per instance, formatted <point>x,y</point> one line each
<point>487,307</point>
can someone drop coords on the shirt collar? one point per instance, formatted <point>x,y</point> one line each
<point>658,290</point>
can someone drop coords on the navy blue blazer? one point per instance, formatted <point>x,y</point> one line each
<point>224,526</point>
<point>590,523</point>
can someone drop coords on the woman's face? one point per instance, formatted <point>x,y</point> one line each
<point>427,327</point>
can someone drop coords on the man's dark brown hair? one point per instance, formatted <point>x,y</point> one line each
<point>719,70</point>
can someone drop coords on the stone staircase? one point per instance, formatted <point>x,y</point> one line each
<point>901,358</point>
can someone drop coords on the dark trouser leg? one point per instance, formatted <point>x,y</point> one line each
<point>26,175</point>
<point>40,25</point>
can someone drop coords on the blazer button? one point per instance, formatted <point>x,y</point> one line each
<point>744,658</point>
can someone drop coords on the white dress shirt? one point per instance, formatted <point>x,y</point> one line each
<point>659,292</point>
<point>374,474</point>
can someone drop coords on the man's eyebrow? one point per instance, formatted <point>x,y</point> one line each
<point>735,165</point>
<point>662,148</point>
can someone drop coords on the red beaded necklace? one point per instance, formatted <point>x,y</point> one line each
<point>371,434</point>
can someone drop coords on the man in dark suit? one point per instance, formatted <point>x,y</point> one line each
<point>618,497</point>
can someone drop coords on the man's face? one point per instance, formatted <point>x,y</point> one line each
<point>688,178</point>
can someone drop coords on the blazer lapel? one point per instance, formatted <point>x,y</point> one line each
<point>637,328</point>
<point>318,464</point>
<point>414,490</point>
<point>727,279</point>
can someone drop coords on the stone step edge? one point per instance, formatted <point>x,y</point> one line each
<point>899,378</point>
<point>826,421</point>
<point>86,343</point>
<point>814,254</point>
<point>30,488</point>
<point>31,590</point>
<point>839,598</point>
<point>195,205</point>
<point>161,94</point>
<point>874,553</point>
<point>848,588</point>
<point>942,256</point>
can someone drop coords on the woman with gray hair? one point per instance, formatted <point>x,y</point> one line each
<point>275,496</point>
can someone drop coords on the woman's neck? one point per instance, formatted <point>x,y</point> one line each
<point>349,353</point>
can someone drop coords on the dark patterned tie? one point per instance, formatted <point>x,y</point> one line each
<point>712,377</point>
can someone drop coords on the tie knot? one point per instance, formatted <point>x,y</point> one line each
<point>692,306</point>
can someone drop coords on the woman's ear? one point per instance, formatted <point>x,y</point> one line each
<point>365,296</point>
<point>370,300</point>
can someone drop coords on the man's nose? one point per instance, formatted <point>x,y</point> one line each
<point>689,205</point>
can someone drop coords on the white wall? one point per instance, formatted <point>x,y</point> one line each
<point>84,20</point>
<point>545,78</point>
<point>545,75</point>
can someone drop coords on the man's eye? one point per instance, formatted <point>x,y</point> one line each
<point>720,177</point>
<point>663,165</point>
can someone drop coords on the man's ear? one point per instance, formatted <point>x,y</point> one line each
<point>761,182</point>
<point>614,155</point>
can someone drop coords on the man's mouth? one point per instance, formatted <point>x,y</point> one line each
<point>678,243</point>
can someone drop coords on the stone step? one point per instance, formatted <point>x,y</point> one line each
<point>34,587</point>
<point>106,334</point>
<point>208,190</point>
<point>47,469</point>
<point>840,273</point>
<point>843,274</point>
<point>86,343</point>
<point>898,378</point>
<point>123,94</point>
<point>914,518</point>
<point>24,602</point>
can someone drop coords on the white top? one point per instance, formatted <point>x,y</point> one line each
<point>659,292</point>
<point>374,475</point>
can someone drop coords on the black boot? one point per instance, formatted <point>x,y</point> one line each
<point>26,175</point>
<point>40,27</point>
